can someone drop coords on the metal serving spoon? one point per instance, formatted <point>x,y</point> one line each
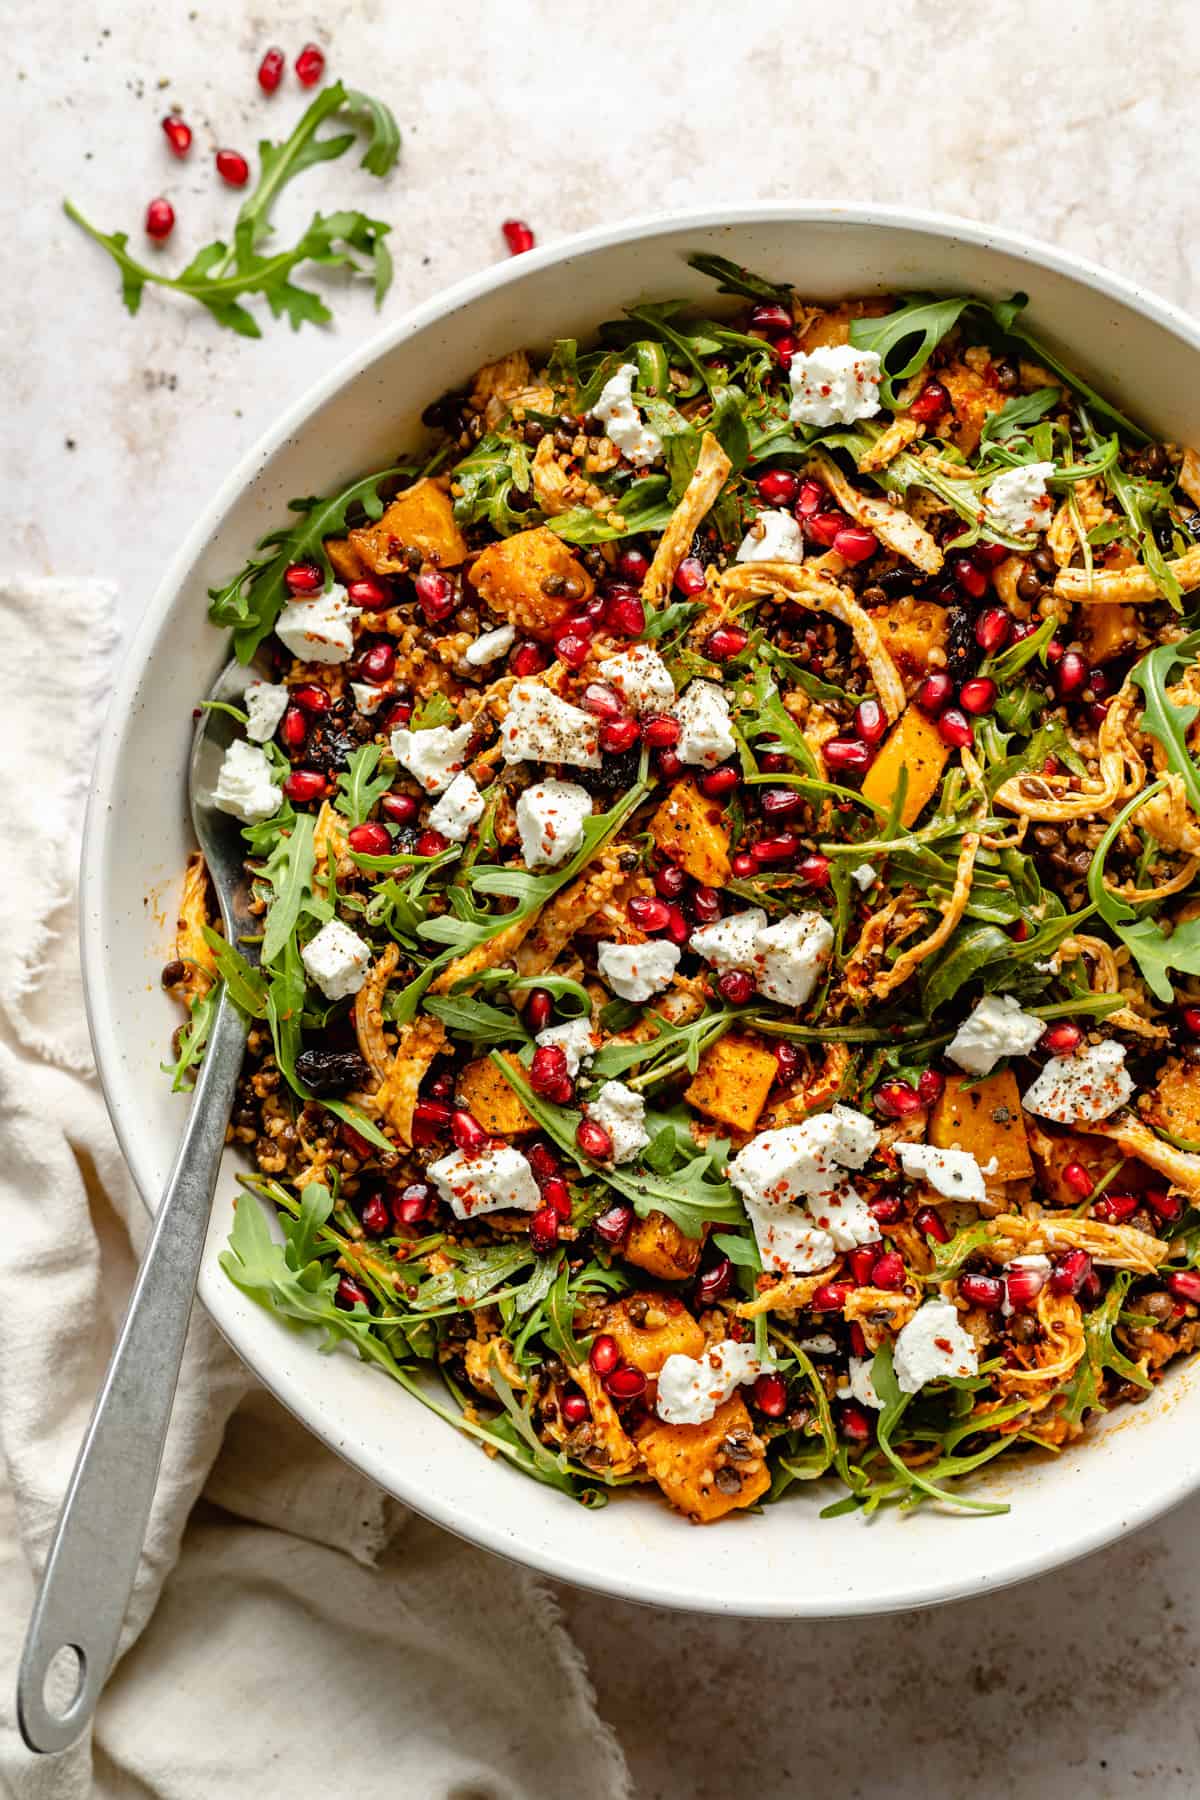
<point>89,1573</point>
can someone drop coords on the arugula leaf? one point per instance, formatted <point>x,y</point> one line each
<point>1015,414</point>
<point>732,278</point>
<point>476,1021</point>
<point>289,868</point>
<point>202,1010</point>
<point>1101,1353</point>
<point>644,506</point>
<point>433,711</point>
<point>485,480</point>
<point>905,340</point>
<point>1163,718</point>
<point>895,1406</point>
<point>358,786</point>
<point>246,985</point>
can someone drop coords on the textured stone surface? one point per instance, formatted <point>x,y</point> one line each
<point>1072,122</point>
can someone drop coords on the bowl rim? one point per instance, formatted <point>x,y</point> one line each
<point>101,1014</point>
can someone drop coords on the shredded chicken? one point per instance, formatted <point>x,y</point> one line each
<point>1052,797</point>
<point>191,946</point>
<point>1112,1246</point>
<point>1107,587</point>
<point>898,436</point>
<point>888,980</point>
<point>891,524</point>
<point>1181,1167</point>
<point>712,469</point>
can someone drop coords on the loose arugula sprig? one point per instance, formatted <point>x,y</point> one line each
<point>220,275</point>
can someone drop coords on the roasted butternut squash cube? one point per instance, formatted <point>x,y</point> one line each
<point>490,1099</point>
<point>912,744</point>
<point>910,630</point>
<point>1177,1107</point>
<point>974,397</point>
<point>422,519</point>
<point>1054,1154</point>
<point>1107,631</point>
<point>669,1330</point>
<point>684,1460</point>
<point>732,1082</point>
<point>657,1245</point>
<point>348,565</point>
<point>522,578</point>
<point>985,1118</point>
<point>690,830</point>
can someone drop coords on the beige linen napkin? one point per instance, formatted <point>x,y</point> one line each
<point>292,1630</point>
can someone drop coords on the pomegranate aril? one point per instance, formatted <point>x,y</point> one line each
<point>670,881</point>
<point>977,696</point>
<point>413,1203</point>
<point>954,728</point>
<point>1184,1285</point>
<point>543,1230</point>
<point>543,1162</point>
<point>787,1062</point>
<point>705,905</point>
<point>993,629</point>
<point>823,527</point>
<point>303,785</point>
<point>971,577</point>
<point>430,843</point>
<point>293,727</point>
<point>619,735</point>
<point>369,839</point>
<point>932,401</point>
<point>870,721</point>
<point>726,641</point>
<point>557,1194</point>
<point>735,986</point>
<point>593,1140</point>
<point>350,1293</point>
<point>1023,1284</point>
<point>649,913</point>
<point>814,870</point>
<point>1078,1179</point>
<point>1054,651</point>
<point>401,809</point>
<point>720,781</point>
<point>572,649</point>
<point>935,692</point>
<point>270,69</point>
<point>772,762</point>
<point>668,764</point>
<point>467,1132</point>
<point>986,1291</point>
<point>677,927</point>
<point>601,701</point>
<point>1190,1020</point>
<point>633,565</point>
<point>810,499</point>
<point>518,236</point>
<point>625,1384</point>
<point>430,1121</point>
<point>177,133</point>
<point>897,1099</point>
<point>539,1009</point>
<point>772,850</point>
<point>312,698</point>
<point>625,615</point>
<point>886,1208</point>
<point>1019,931</point>
<point>604,1354</point>
<point>854,1423</point>
<point>742,865</point>
<point>379,663</point>
<point>780,803</point>
<point>930,1086</point>
<point>612,1227</point>
<point>1114,1209</point>
<point>661,731</point>
<point>548,1067</point>
<point>929,1222</point>
<point>375,1216</point>
<point>888,1271</point>
<point>574,1407</point>
<point>370,595</point>
<point>1071,676</point>
<point>1070,1272</point>
<point>1164,1205</point>
<point>310,65</point>
<point>435,595</point>
<point>232,167</point>
<point>769,1394</point>
<point>785,348</point>
<point>831,1296</point>
<point>528,659</point>
<point>862,1260</point>
<point>855,544</point>
<point>771,317</point>
<point>689,577</point>
<point>303,579</point>
<point>712,1284</point>
<point>160,219</point>
<point>778,487</point>
<point>850,754</point>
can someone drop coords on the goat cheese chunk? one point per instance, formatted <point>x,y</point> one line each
<point>997,1027</point>
<point>843,1215</point>
<point>861,1385</point>
<point>834,385</point>
<point>574,1039</point>
<point>703,714</point>
<point>367,699</point>
<point>864,876</point>
<point>790,956</point>
<point>623,424</point>
<point>319,630</point>
<point>434,756</point>
<point>642,679</point>
<point>490,647</point>
<point>550,817</point>
<point>497,1180</point>
<point>622,1113</point>
<point>246,786</point>
<point>458,809</point>
<point>1017,501</point>
<point>931,1346</point>
<point>954,1173</point>
<point>1081,1089</point>
<point>779,1167</point>
<point>266,703</point>
<point>690,1389</point>
<point>788,1241</point>
<point>337,959</point>
<point>729,943</point>
<point>637,971</point>
<point>541,727</point>
<point>773,537</point>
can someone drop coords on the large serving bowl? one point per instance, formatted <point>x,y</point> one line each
<point>786,1561</point>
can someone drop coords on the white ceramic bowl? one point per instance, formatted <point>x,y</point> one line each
<point>785,1562</point>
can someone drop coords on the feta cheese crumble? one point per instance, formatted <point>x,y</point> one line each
<point>690,1389</point>
<point>622,1113</point>
<point>997,1027</point>
<point>490,647</point>
<point>729,943</point>
<point>795,1161</point>
<point>1081,1089</point>
<point>637,971</point>
<point>790,956</point>
<point>1017,501</point>
<point>773,537</point>
<point>623,424</point>
<point>574,1039</point>
<point>319,630</point>
<point>266,703</point>
<point>458,809</point>
<point>954,1173</point>
<point>434,756</point>
<point>541,727</point>
<point>861,1385</point>
<point>337,959</point>
<point>499,1179</point>
<point>845,1216</point>
<point>368,700</point>
<point>932,1346</point>
<point>834,385</point>
<point>703,714</point>
<point>550,817</point>
<point>788,1241</point>
<point>246,786</point>
<point>864,876</point>
<point>642,679</point>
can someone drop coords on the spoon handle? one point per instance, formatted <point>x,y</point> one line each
<point>93,1560</point>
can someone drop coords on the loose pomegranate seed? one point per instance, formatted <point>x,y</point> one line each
<point>430,843</point>
<point>1114,1209</point>
<point>1020,931</point>
<point>543,1162</point>
<point>661,731</point>
<point>934,693</point>
<point>769,1394</point>
<point>870,721</point>
<point>303,578</point>
<point>779,849</point>
<point>518,236</point>
<point>293,728</point>
<point>735,986</point>
<point>350,1294</point>
<point>435,595</point>
<point>1072,675</point>
<point>441,1087</point>
<point>303,785</point>
<point>932,401</point>
<point>971,577</point>
<point>619,735</point>
<point>178,134</point>
<point>854,1422</point>
<point>778,487</point>
<point>773,764</point>
<point>232,167</point>
<point>601,701</point>
<point>548,1068</point>
<point>678,929</point>
<point>810,499</point>
<point>930,1224</point>
<point>785,348</point>
<point>626,615</point>
<point>954,728</point>
<point>310,65</point>
<point>897,1099</point>
<point>604,1354</point>
<point>705,905</point>
<point>1054,651</point>
<point>353,1142</point>
<point>649,913</point>
<point>991,555</point>
<point>689,577</point>
<point>1070,1272</point>
<point>413,1203</point>
<point>379,663</point>
<point>1190,1020</point>
<point>370,595</point>
<point>1098,684</point>
<point>574,1407</point>
<point>831,1296</point>
<point>398,716</point>
<point>1184,1285</point>
<point>855,544</point>
<point>712,1284</point>
<point>160,219</point>
<point>743,865</point>
<point>593,1140</point>
<point>670,881</point>
<point>572,649</point>
<point>930,1086</point>
<point>375,1216</point>
<point>270,69</point>
<point>977,696</point>
<point>1097,712</point>
<point>625,1384</point>
<point>889,1270</point>
<point>467,1132</point>
<point>1062,1039</point>
<point>557,1194</point>
<point>539,1009</point>
<point>1024,1285</point>
<point>401,809</point>
<point>814,870</point>
<point>1164,1205</point>
<point>986,1291</point>
<point>726,641</point>
<point>612,1227</point>
<point>633,565</point>
<point>668,764</point>
<point>771,317</point>
<point>787,1062</point>
<point>312,698</point>
<point>780,803</point>
<point>430,1120</point>
<point>719,781</point>
<point>370,839</point>
<point>543,1230</point>
<point>528,659</point>
<point>824,527</point>
<point>847,753</point>
<point>863,1259</point>
<point>887,1208</point>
